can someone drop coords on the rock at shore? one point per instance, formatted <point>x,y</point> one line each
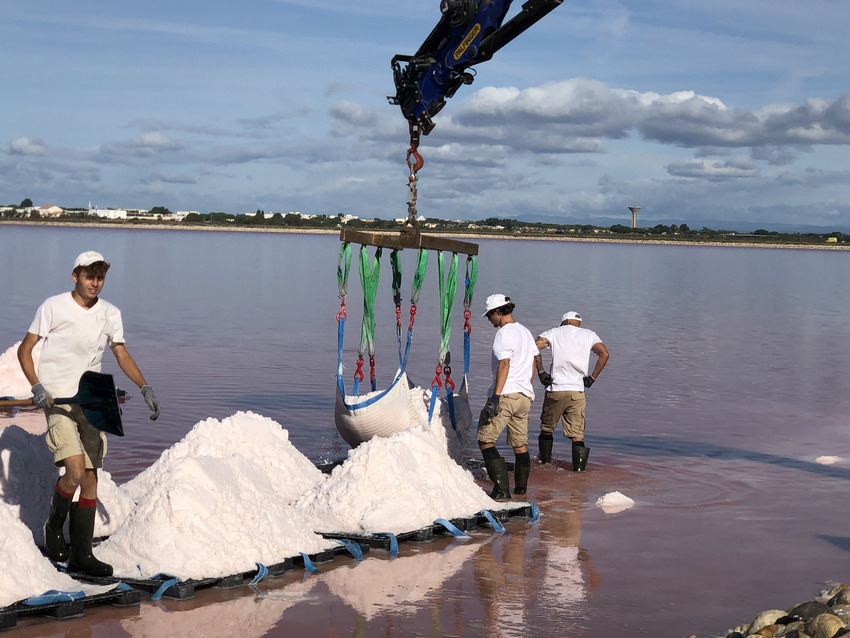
<point>826,616</point>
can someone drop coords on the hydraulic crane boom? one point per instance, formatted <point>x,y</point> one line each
<point>469,32</point>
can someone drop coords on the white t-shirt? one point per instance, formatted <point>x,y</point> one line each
<point>515,342</point>
<point>571,347</point>
<point>74,340</point>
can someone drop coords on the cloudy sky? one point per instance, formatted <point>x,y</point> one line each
<point>715,110</point>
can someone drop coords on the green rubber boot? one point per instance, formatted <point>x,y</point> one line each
<point>54,528</point>
<point>580,454</point>
<point>521,473</point>
<point>82,532</point>
<point>497,470</point>
<point>545,441</point>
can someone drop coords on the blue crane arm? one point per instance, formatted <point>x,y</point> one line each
<point>469,32</point>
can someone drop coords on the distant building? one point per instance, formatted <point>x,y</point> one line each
<point>49,211</point>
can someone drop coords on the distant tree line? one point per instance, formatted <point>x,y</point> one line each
<point>492,225</point>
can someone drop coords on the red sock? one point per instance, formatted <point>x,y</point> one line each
<point>63,492</point>
<point>87,502</point>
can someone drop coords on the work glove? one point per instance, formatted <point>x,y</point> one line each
<point>40,397</point>
<point>491,408</point>
<point>588,381</point>
<point>152,401</point>
<point>545,378</point>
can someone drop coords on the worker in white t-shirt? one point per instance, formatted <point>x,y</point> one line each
<point>77,327</point>
<point>510,398</point>
<point>566,382</point>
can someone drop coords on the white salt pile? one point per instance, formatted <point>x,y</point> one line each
<point>25,571</point>
<point>13,383</point>
<point>395,484</point>
<point>236,492</point>
<point>614,502</point>
<point>252,436</point>
<point>828,460</point>
<point>217,503</point>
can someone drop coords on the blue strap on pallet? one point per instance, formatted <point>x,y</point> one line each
<point>393,542</point>
<point>53,596</point>
<point>497,526</point>
<point>352,547</point>
<point>308,564</point>
<point>262,572</point>
<point>170,581</point>
<point>452,528</point>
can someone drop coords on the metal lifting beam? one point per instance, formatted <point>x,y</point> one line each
<point>403,240</point>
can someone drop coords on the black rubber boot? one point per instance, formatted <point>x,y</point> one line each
<point>522,468</point>
<point>545,441</point>
<point>82,532</point>
<point>54,533</point>
<point>497,470</point>
<point>580,454</point>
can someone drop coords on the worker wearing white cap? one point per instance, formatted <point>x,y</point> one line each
<point>76,327</point>
<point>510,398</point>
<point>565,385</point>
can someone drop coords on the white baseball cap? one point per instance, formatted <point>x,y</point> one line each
<point>88,258</point>
<point>495,301</point>
<point>572,314</point>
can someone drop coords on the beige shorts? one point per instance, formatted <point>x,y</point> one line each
<point>69,434</point>
<point>568,406</point>
<point>513,415</point>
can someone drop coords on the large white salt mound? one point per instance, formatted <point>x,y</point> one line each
<point>25,571</point>
<point>207,517</point>
<point>250,435</point>
<point>395,484</point>
<point>13,383</point>
<point>614,502</point>
<point>28,477</point>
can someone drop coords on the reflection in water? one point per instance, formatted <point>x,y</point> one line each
<point>539,580</point>
<point>246,617</point>
<point>400,585</point>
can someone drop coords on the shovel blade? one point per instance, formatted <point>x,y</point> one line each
<point>98,399</point>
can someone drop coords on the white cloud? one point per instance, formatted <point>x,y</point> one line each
<point>27,146</point>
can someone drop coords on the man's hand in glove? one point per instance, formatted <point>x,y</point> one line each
<point>152,401</point>
<point>40,397</point>
<point>545,378</point>
<point>491,408</point>
<point>588,381</point>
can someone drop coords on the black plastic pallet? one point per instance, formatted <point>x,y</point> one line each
<point>425,534</point>
<point>185,589</point>
<point>62,610</point>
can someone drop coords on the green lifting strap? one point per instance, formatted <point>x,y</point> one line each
<point>342,273</point>
<point>369,281</point>
<point>419,276</point>
<point>471,277</point>
<point>396,266</point>
<point>448,287</point>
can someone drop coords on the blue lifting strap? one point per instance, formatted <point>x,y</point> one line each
<point>497,526</point>
<point>262,572</point>
<point>352,547</point>
<point>53,596</point>
<point>308,564</point>
<point>452,528</point>
<point>393,542</point>
<point>170,581</point>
